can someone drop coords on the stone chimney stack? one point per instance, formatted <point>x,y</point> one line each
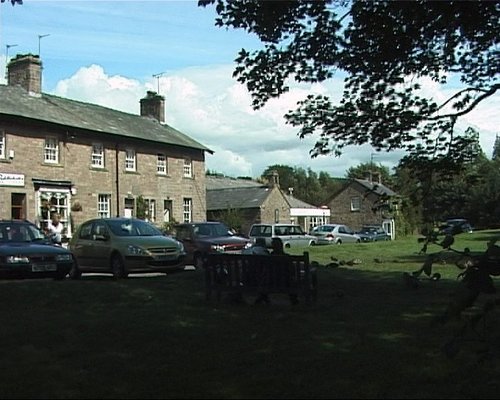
<point>274,179</point>
<point>26,71</point>
<point>153,106</point>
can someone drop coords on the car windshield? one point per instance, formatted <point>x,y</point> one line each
<point>20,232</point>
<point>213,230</point>
<point>132,227</point>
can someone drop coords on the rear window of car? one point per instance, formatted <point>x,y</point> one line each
<point>261,230</point>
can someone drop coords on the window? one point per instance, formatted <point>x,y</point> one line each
<point>276,215</point>
<point>130,160</point>
<point>187,210</point>
<point>2,144</point>
<point>188,169</point>
<point>150,210</point>
<point>104,206</point>
<point>161,164</point>
<point>97,159</point>
<point>51,151</point>
<point>52,201</point>
<point>355,203</point>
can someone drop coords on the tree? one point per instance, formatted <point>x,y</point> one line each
<point>13,1</point>
<point>370,171</point>
<point>386,49</point>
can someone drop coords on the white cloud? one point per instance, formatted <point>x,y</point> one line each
<point>207,104</point>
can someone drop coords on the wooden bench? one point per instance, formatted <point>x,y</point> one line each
<point>255,274</point>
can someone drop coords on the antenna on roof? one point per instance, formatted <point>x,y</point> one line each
<point>39,39</point>
<point>157,76</point>
<point>7,47</point>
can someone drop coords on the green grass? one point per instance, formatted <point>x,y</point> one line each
<point>368,336</point>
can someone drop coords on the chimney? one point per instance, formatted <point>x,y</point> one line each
<point>153,106</point>
<point>25,70</point>
<point>274,178</point>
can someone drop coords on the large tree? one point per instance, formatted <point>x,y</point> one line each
<point>386,50</point>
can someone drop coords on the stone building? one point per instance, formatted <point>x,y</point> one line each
<point>257,202</point>
<point>84,161</point>
<point>361,202</point>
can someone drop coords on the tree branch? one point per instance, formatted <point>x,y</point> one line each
<point>486,93</point>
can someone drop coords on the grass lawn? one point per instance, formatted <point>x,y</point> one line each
<point>368,335</point>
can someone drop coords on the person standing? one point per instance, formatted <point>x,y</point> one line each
<point>55,228</point>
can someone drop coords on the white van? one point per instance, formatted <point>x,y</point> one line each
<point>290,234</point>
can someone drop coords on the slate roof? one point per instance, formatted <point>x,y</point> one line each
<point>377,188</point>
<point>16,101</point>
<point>242,197</point>
<point>225,192</point>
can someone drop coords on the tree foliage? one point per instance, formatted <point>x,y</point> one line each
<point>386,50</point>
<point>305,185</point>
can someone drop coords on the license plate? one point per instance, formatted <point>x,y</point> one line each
<point>44,267</point>
<point>164,258</point>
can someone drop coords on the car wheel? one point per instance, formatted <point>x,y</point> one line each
<point>338,242</point>
<point>74,272</point>
<point>118,267</point>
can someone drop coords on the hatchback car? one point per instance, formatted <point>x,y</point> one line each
<point>373,233</point>
<point>121,246</point>
<point>335,234</point>
<point>290,234</point>
<point>26,252</point>
<point>200,238</point>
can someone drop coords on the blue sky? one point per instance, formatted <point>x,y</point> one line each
<point>106,52</point>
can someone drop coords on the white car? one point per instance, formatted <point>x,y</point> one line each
<point>290,234</point>
<point>335,234</point>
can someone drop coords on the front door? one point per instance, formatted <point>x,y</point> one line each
<point>18,206</point>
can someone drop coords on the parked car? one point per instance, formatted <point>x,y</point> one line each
<point>26,252</point>
<point>335,234</point>
<point>200,238</point>
<point>373,233</point>
<point>290,234</point>
<point>454,226</point>
<point>121,246</point>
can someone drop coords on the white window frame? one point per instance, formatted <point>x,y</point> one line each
<point>187,209</point>
<point>103,205</point>
<point>51,150</point>
<point>161,164</point>
<point>356,203</point>
<point>2,145</point>
<point>97,157</point>
<point>151,210</point>
<point>187,168</point>
<point>130,160</point>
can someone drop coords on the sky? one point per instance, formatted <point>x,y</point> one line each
<point>112,52</point>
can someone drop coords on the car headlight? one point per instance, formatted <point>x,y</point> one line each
<point>217,247</point>
<point>137,251</point>
<point>64,257</point>
<point>248,245</point>
<point>181,246</point>
<point>17,260</point>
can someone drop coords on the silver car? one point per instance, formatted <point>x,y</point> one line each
<point>335,234</point>
<point>290,234</point>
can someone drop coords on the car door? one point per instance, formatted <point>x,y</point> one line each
<point>297,236</point>
<point>82,246</point>
<point>101,246</point>
<point>346,234</point>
